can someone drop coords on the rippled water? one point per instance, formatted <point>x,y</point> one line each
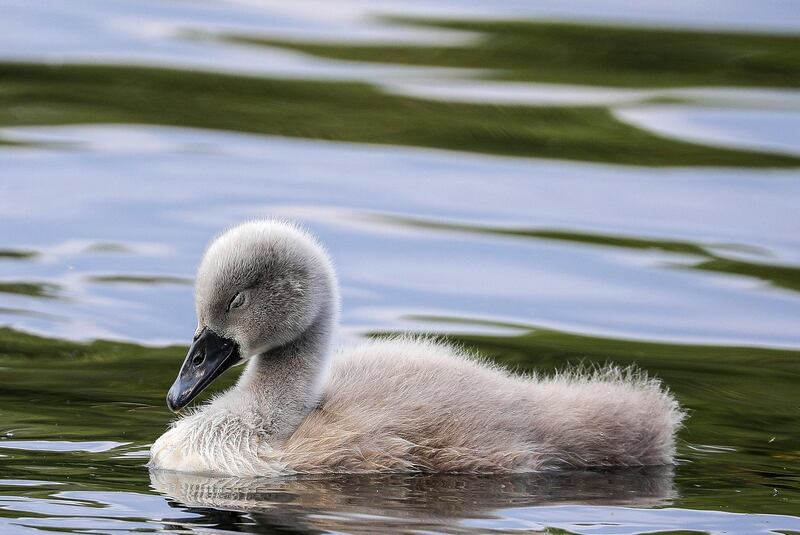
<point>545,193</point>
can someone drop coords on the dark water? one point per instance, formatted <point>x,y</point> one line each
<point>547,193</point>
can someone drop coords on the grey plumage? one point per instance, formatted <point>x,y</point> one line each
<point>399,405</point>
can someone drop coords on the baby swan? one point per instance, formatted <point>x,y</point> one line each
<point>266,294</point>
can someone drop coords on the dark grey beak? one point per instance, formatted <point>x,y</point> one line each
<point>209,356</point>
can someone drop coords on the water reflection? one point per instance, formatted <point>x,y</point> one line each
<point>759,129</point>
<point>402,503</point>
<point>623,501</point>
<point>594,279</point>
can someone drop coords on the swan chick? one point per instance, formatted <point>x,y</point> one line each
<point>266,296</point>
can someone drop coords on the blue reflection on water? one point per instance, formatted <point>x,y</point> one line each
<point>161,193</point>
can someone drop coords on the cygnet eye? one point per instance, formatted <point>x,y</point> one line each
<point>237,301</point>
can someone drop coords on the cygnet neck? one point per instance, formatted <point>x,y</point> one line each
<point>281,386</point>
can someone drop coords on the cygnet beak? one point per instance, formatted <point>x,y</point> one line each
<point>209,356</point>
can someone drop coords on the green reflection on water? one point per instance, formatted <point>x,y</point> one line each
<point>340,111</point>
<point>17,254</point>
<point>139,279</point>
<point>109,247</point>
<point>46,290</point>
<point>781,276</point>
<point>589,54</point>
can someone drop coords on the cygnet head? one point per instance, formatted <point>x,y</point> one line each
<point>261,285</point>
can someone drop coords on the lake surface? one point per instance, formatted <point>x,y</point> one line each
<point>548,183</point>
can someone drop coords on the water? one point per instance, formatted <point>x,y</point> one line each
<point>622,202</point>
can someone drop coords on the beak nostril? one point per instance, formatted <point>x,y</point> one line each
<point>208,357</point>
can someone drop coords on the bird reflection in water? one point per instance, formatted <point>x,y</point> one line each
<point>397,503</point>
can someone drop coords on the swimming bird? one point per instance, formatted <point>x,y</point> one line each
<point>266,295</point>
